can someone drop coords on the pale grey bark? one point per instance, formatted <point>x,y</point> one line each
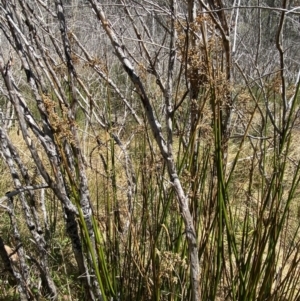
<point>66,58</point>
<point>165,146</point>
<point>15,265</point>
<point>29,208</point>
<point>31,63</point>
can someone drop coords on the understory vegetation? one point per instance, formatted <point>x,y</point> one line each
<point>149,150</point>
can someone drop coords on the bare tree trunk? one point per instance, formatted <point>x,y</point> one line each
<point>46,137</point>
<point>164,146</point>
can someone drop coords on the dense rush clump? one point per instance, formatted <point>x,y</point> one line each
<point>149,150</point>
